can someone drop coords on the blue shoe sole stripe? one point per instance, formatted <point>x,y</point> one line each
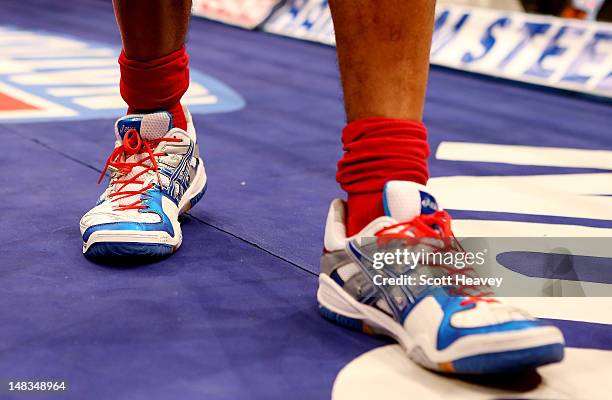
<point>127,249</point>
<point>194,200</point>
<point>351,323</point>
<point>490,363</point>
<point>347,322</point>
<point>510,361</point>
<point>131,249</point>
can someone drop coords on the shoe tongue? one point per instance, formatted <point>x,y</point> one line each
<point>404,200</point>
<point>150,126</point>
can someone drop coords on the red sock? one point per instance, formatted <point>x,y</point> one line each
<point>378,150</point>
<point>155,85</point>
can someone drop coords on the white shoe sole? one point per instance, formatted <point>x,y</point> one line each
<point>477,353</point>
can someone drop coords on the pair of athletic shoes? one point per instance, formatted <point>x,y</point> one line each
<point>156,174</point>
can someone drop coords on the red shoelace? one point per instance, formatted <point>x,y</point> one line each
<point>436,226</point>
<point>133,144</point>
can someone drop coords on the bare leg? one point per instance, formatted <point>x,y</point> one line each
<point>154,63</point>
<point>152,28</point>
<point>383,52</point>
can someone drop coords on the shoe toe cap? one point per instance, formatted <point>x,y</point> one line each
<point>104,215</point>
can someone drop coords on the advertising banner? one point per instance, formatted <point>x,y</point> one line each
<point>549,51</point>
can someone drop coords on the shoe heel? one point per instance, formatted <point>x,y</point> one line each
<point>335,306</point>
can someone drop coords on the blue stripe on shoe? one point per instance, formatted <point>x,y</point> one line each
<point>199,196</point>
<point>448,334</point>
<point>509,361</point>
<point>336,277</point>
<point>351,323</point>
<point>153,202</point>
<point>109,249</point>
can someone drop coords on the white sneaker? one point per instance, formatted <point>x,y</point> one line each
<point>440,331</point>
<point>156,174</point>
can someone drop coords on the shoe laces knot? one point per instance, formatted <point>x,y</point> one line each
<point>132,146</point>
<point>434,231</point>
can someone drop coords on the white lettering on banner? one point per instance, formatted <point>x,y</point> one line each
<point>303,19</point>
<point>562,53</point>
<point>568,54</point>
